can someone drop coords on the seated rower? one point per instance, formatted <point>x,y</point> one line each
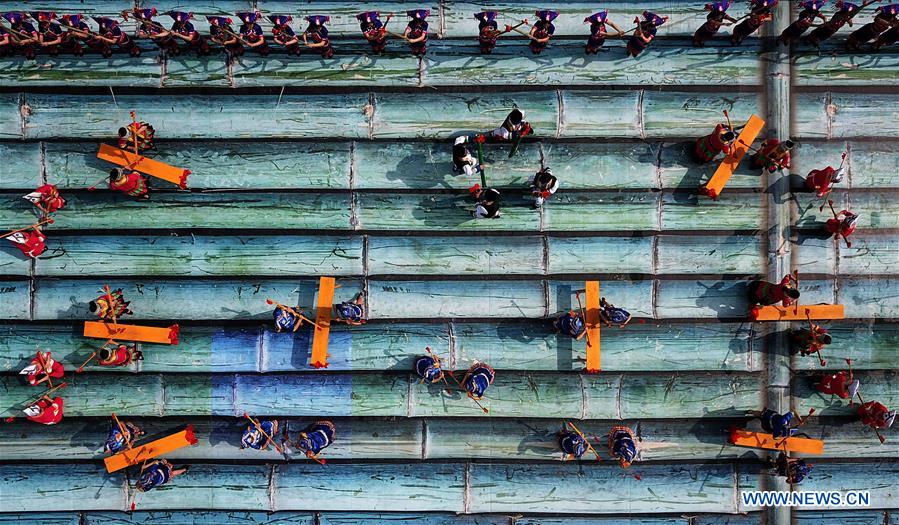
<point>117,440</point>
<point>23,36</point>
<point>841,384</point>
<point>221,32</point>
<point>571,324</point>
<point>795,470</point>
<point>512,127</point>
<point>622,445</point>
<point>766,294</point>
<point>142,132</point>
<point>428,369</point>
<point>488,31</point>
<point>488,203</point>
<point>374,31</point>
<point>759,13</point>
<point>109,306</point>
<point>251,33</point>
<point>811,340</point>
<point>543,185</point>
<point>773,155</point>
<point>542,30</point>
<point>842,225</point>
<point>130,183</point>
<point>284,35</point>
<point>46,410</point>
<point>572,444</point>
<point>31,241</point>
<point>43,368</point>
<point>887,38</point>
<point>183,29</point>
<point>316,35</point>
<point>288,319</point>
<point>119,355</point>
<point>876,415</point>
<point>811,9</point>
<point>644,33</point>
<point>721,140</point>
<point>822,181</point>
<point>156,473</point>
<point>612,315</point>
<point>50,34</point>
<point>315,438</point>
<point>416,32</point>
<point>478,378</point>
<point>779,426</point>
<point>110,34</point>
<point>46,198</point>
<point>716,18</point>
<point>463,160</point>
<point>598,31</point>
<point>259,437</point>
<point>351,312</point>
<point>148,28</point>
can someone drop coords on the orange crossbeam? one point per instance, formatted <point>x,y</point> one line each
<point>153,449</point>
<point>715,185</point>
<point>154,168</point>
<point>323,322</point>
<point>593,323</point>
<point>798,312</point>
<point>130,332</point>
<point>748,438</point>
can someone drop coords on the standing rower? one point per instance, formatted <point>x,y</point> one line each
<point>759,13</point>
<point>844,14</point>
<point>811,9</point>
<point>183,29</point>
<point>221,33</point>
<point>644,33</point>
<point>284,35</point>
<point>416,32</point>
<point>542,30</point>
<point>488,31</point>
<point>883,20</point>
<point>598,31</point>
<point>317,34</point>
<point>251,33</point>
<point>374,31</point>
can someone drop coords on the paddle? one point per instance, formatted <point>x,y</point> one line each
<point>830,180</point>
<point>437,362</point>
<point>583,315</point>
<point>294,312</point>
<point>876,431</point>
<point>128,442</point>
<point>840,233</point>
<point>47,393</point>
<point>811,326</point>
<point>48,220</point>
<point>89,359</point>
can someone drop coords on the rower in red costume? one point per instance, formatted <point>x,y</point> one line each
<point>30,241</point>
<point>709,146</point>
<point>876,415</point>
<point>46,198</point>
<point>42,368</point>
<point>841,384</point>
<point>773,155</point>
<point>119,355</point>
<point>821,181</point>
<point>129,182</point>
<point>765,293</point>
<point>45,411</point>
<point>842,225</point>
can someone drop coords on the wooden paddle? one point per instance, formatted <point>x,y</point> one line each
<point>264,433</point>
<point>584,437</point>
<point>486,411</point>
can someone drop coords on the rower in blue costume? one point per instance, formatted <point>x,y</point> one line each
<point>351,312</point>
<point>571,324</point>
<point>287,319</point>
<point>427,367</point>
<point>478,378</point>
<point>157,473</point>
<point>117,441</point>
<point>316,437</point>
<point>795,470</point>
<point>612,315</point>
<point>779,426</point>
<point>622,445</point>
<point>572,443</point>
<point>259,437</point>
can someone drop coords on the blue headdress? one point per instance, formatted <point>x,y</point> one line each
<point>812,5</point>
<point>486,16</point>
<point>318,20</point>
<point>718,6</point>
<point>280,20</point>
<point>599,17</point>
<point>145,14</point>
<point>369,16</point>
<point>180,16</point>
<point>219,20</point>
<point>649,16</point>
<point>106,22</point>
<point>763,3</point>
<point>891,9</point>
<point>418,13</point>
<point>71,20</point>
<point>43,16</point>
<point>546,15</point>
<point>847,6</point>
<point>14,17</point>
<point>248,17</point>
